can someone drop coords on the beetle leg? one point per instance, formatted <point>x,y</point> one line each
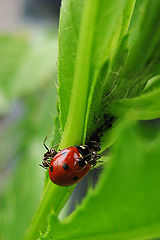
<point>42,166</point>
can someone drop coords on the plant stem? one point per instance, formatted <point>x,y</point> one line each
<point>54,196</point>
<point>80,88</point>
<point>47,204</point>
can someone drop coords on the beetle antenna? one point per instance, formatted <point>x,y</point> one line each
<point>44,144</point>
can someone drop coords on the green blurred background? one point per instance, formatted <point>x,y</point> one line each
<point>28,75</point>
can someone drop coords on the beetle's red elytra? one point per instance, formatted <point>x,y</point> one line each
<point>71,164</point>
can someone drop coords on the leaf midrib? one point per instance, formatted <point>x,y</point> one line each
<point>79,94</point>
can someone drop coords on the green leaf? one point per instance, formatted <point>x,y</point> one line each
<point>76,52</point>
<point>144,107</point>
<point>70,18</point>
<point>125,204</point>
<point>81,75</point>
<point>75,69</point>
<point>100,61</point>
<point>152,84</point>
<point>109,52</point>
<point>83,57</point>
<point>142,61</point>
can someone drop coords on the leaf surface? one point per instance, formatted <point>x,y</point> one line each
<point>125,204</point>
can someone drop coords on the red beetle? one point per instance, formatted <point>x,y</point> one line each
<point>71,164</point>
